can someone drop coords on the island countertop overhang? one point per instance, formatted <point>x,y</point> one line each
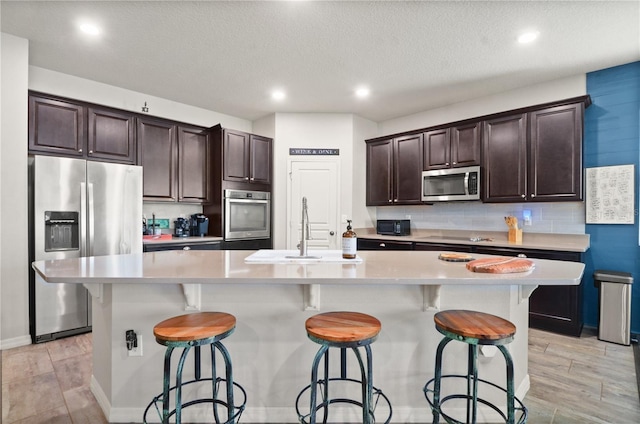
<point>229,267</point>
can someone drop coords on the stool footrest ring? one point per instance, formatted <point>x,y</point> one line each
<point>376,396</point>
<point>239,408</point>
<point>429,391</point>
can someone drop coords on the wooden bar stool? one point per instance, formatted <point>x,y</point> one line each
<point>473,328</point>
<point>342,330</point>
<point>196,330</point>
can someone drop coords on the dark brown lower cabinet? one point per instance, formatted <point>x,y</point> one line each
<point>432,247</point>
<point>552,308</point>
<point>376,244</point>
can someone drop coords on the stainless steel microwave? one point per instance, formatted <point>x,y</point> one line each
<point>445,185</point>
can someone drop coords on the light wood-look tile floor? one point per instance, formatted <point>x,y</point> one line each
<point>573,380</point>
<point>581,380</point>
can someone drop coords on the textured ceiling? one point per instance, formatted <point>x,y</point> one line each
<point>415,56</point>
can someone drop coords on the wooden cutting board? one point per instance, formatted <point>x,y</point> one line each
<point>501,265</point>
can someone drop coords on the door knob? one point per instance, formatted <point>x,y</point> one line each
<point>331,233</point>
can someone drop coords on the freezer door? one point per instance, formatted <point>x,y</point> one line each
<point>57,186</point>
<point>114,205</point>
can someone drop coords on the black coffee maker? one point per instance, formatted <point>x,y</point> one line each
<point>181,227</point>
<point>199,225</point>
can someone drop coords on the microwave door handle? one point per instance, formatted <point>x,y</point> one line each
<point>466,183</point>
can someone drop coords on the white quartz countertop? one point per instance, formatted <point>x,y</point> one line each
<point>230,267</point>
<point>537,241</point>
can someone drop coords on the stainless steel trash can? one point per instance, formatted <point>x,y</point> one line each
<point>615,306</point>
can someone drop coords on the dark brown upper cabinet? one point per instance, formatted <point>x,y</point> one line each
<point>504,150</point>
<point>247,158</point>
<point>555,153</point>
<point>111,135</point>
<point>534,156</point>
<point>158,155</point>
<point>175,160</point>
<point>452,147</point>
<point>394,170</point>
<point>56,127</point>
<point>68,128</point>
<point>194,176</point>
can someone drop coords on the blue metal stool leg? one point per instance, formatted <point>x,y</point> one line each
<point>229,377</point>
<point>511,413</point>
<point>314,382</point>
<point>166,384</point>
<point>438,380</point>
<point>183,357</point>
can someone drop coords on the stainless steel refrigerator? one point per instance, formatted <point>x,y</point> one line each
<point>77,208</point>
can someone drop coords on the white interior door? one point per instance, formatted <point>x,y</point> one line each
<point>317,180</point>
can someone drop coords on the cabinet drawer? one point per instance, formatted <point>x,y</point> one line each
<point>370,244</point>
<point>214,245</point>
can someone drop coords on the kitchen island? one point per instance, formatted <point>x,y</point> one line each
<point>271,353</point>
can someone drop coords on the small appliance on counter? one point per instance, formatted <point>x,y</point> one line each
<point>181,227</point>
<point>393,227</point>
<point>199,225</point>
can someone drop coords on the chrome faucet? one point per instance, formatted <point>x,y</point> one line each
<point>306,232</point>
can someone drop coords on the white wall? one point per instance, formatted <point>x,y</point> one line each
<point>52,82</point>
<point>526,96</point>
<point>322,130</point>
<point>363,216</point>
<point>565,217</point>
<point>14,257</point>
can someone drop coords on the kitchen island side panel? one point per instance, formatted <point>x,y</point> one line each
<point>272,355</point>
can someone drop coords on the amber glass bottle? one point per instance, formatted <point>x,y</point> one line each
<point>349,242</point>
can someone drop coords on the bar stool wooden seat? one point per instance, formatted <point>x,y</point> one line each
<point>197,330</point>
<point>473,328</point>
<point>342,330</point>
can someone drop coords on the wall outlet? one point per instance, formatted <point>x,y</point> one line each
<point>136,351</point>
<point>526,215</point>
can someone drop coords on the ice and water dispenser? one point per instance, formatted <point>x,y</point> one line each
<point>61,231</point>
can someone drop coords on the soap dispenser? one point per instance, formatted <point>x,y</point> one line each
<point>349,242</point>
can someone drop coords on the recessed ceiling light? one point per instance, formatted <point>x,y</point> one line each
<point>89,28</point>
<point>528,37</point>
<point>363,92</point>
<point>278,95</point>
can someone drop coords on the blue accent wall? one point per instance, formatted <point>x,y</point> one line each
<point>612,137</point>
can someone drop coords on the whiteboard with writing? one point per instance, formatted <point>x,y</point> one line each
<point>610,195</point>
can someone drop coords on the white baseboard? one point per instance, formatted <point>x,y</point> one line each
<point>15,342</point>
<point>101,398</point>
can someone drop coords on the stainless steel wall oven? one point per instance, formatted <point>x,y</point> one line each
<point>247,215</point>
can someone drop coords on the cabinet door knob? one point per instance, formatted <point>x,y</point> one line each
<point>186,248</point>
<point>395,200</point>
<point>522,195</point>
<point>246,178</point>
<point>383,245</point>
<point>90,152</point>
<point>390,201</point>
<point>447,163</point>
<point>252,179</point>
<point>455,163</point>
<point>533,195</point>
<point>79,150</point>
<point>331,233</point>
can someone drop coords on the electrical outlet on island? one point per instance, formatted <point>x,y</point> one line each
<point>136,350</point>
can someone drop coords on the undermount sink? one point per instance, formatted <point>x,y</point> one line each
<point>293,256</point>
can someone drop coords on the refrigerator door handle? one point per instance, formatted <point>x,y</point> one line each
<point>91,213</point>
<point>83,219</point>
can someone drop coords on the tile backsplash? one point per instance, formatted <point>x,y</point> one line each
<point>169,211</point>
<point>559,218</point>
